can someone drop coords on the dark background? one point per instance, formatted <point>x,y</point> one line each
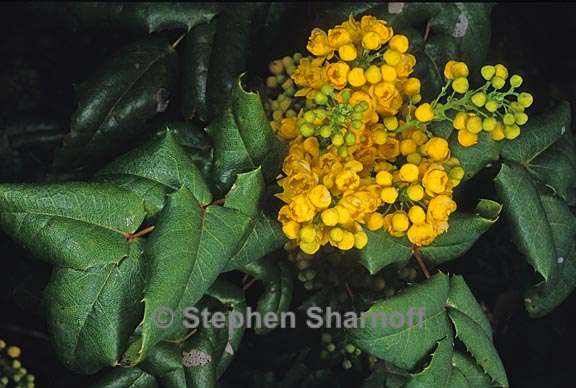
<point>41,60</point>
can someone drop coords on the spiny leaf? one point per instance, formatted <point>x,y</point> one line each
<point>438,371</point>
<point>142,18</point>
<point>154,169</point>
<point>115,104</point>
<point>92,313</point>
<point>461,298</point>
<point>383,249</point>
<point>75,225</point>
<point>122,378</point>
<point>532,233</point>
<point>406,345</point>
<point>479,345</point>
<point>474,375</point>
<point>463,231</point>
<point>243,139</point>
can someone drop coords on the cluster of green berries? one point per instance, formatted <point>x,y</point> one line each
<point>280,88</point>
<point>12,373</point>
<point>346,353</point>
<point>333,121</point>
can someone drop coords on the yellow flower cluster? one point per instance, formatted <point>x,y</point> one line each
<point>356,160</point>
<point>12,372</point>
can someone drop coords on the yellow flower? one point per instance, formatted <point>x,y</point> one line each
<point>291,229</point>
<point>302,209</point>
<point>356,77</point>
<point>400,222</point>
<point>371,24</point>
<point>421,234</point>
<point>435,180</point>
<point>389,195</point>
<point>416,215</point>
<point>467,138</point>
<point>424,113</point>
<point>339,36</point>
<point>310,248</point>
<point>390,149</point>
<point>455,69</point>
<point>320,197</point>
<point>318,43</point>
<point>347,241</point>
<point>347,180</point>
<point>415,192</point>
<point>439,208</point>
<point>384,178</point>
<point>329,217</point>
<point>288,129</point>
<point>337,74</point>
<point>371,41</point>
<point>437,149</point>
<point>405,65</point>
<point>360,240</point>
<point>373,74</point>
<point>412,86</point>
<point>308,74</point>
<point>348,52</point>
<point>399,43</point>
<point>374,221</point>
<point>387,98</point>
<point>408,146</point>
<point>297,183</point>
<point>392,57</point>
<point>388,73</point>
<point>409,172</point>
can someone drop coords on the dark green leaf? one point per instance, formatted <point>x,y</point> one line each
<point>243,139</point>
<point>75,225</point>
<point>264,234</point>
<point>461,298</point>
<point>383,249</point>
<point>197,50</point>
<point>479,345</point>
<point>437,372</point>
<point>92,313</point>
<point>543,298</point>
<point>473,159</point>
<point>474,375</point>
<point>407,345</point>
<point>278,284</point>
<point>154,169</point>
<point>142,17</point>
<point>539,133</point>
<point>115,104</point>
<point>125,378</point>
<point>462,233</point>
<point>527,217</point>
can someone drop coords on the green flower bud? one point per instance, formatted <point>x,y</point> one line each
<point>511,131</point>
<point>309,116</point>
<point>356,124</point>
<point>320,98</point>
<point>491,106</point>
<point>350,138</point>
<point>521,118</point>
<point>356,116</point>
<point>343,151</point>
<point>346,364</point>
<point>508,119</point>
<point>326,131</point>
<point>498,82</point>
<point>297,57</point>
<point>489,124</point>
<point>307,130</point>
<point>327,89</point>
<point>479,99</point>
<point>291,113</point>
<point>346,96</point>
<point>487,72</point>
<point>302,277</point>
<point>338,139</point>
<point>516,81</point>
<point>271,82</point>
<point>310,274</point>
<point>525,99</point>
<point>349,348</point>
<point>331,348</point>
<point>309,286</point>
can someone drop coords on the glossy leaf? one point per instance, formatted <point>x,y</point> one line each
<point>437,372</point>
<point>154,169</point>
<point>142,17</point>
<point>474,375</point>
<point>122,378</point>
<point>76,225</point>
<point>92,313</point>
<point>543,298</point>
<point>473,159</point>
<point>463,231</point>
<point>243,139</point>
<point>115,104</point>
<point>383,249</point>
<point>406,345</point>
<point>480,346</point>
<point>532,233</point>
<point>461,298</point>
